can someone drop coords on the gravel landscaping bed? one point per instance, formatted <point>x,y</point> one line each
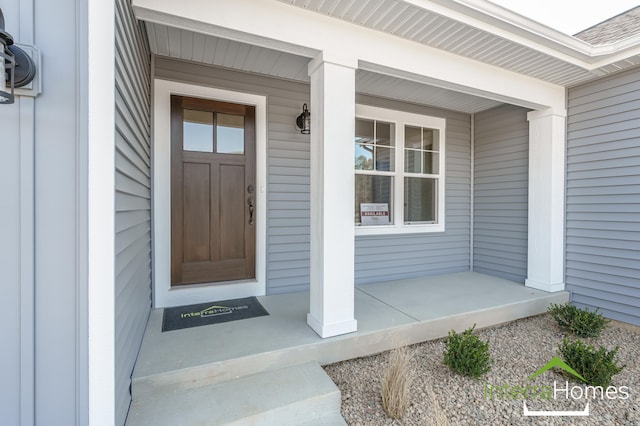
<point>518,349</point>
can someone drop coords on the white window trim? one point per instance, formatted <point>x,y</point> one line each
<point>400,119</point>
<point>163,294</point>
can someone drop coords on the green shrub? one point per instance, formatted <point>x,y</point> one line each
<point>597,366</point>
<point>466,354</point>
<point>581,322</point>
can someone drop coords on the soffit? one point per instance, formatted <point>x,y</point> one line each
<point>191,46</point>
<point>371,83</point>
<point>407,20</point>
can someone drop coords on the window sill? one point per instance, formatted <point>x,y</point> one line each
<point>399,229</point>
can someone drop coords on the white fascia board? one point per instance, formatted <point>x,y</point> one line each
<point>512,26</point>
<point>509,25</point>
<point>617,56</point>
<point>276,25</point>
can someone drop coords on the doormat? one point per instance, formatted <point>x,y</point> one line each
<point>188,316</point>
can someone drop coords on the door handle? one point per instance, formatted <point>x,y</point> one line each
<point>251,209</point>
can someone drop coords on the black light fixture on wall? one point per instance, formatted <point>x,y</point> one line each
<point>304,121</point>
<point>17,69</point>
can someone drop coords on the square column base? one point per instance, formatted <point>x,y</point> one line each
<point>330,330</point>
<point>544,286</point>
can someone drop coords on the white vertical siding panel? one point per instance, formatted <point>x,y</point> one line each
<point>133,195</point>
<point>383,258</point>
<point>603,196</point>
<point>500,192</point>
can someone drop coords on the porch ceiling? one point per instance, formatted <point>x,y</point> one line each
<point>192,46</point>
<point>371,83</point>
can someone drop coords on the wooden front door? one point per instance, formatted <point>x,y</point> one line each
<point>213,211</point>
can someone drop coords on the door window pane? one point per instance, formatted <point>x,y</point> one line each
<point>197,131</point>
<point>419,200</point>
<point>373,189</point>
<point>230,134</point>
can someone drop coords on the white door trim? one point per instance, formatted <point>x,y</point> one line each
<point>163,294</point>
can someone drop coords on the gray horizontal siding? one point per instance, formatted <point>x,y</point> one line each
<point>391,257</point>
<point>288,232</point>
<point>288,175</point>
<point>603,196</point>
<point>500,192</point>
<point>132,199</point>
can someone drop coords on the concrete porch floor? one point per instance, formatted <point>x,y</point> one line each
<point>388,314</point>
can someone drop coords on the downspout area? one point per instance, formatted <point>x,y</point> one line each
<point>472,190</point>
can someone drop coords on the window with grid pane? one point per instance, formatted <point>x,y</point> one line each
<point>374,164</point>
<point>421,167</point>
<point>399,164</point>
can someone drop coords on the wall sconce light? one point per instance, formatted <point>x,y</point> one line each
<point>304,121</point>
<point>17,69</point>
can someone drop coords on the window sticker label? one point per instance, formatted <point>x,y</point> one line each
<point>374,214</point>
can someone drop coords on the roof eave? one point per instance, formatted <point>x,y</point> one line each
<point>504,22</point>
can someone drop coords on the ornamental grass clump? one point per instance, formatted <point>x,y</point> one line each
<point>396,387</point>
<point>581,322</point>
<point>597,366</point>
<point>466,354</point>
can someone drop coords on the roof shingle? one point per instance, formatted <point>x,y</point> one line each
<point>617,28</point>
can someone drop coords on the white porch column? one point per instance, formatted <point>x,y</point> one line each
<point>332,194</point>
<point>547,136</point>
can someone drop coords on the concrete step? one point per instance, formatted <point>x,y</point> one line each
<point>299,395</point>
